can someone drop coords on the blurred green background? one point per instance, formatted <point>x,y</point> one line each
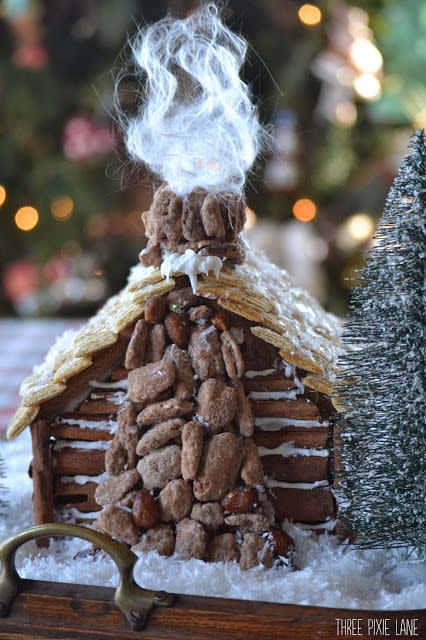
<point>341,84</point>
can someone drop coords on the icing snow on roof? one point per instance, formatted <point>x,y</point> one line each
<point>286,317</point>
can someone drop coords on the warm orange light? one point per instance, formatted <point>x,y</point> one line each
<point>62,208</point>
<point>3,195</point>
<point>304,210</point>
<point>250,218</point>
<point>26,218</point>
<point>310,15</point>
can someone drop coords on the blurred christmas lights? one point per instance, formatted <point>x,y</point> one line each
<point>360,226</point>
<point>26,218</point>
<point>365,56</point>
<point>3,195</point>
<point>310,15</point>
<point>346,113</point>
<point>304,210</point>
<point>368,86</point>
<point>356,230</point>
<point>62,208</point>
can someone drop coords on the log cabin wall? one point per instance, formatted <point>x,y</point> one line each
<point>292,433</point>
<point>295,456</point>
<point>80,440</point>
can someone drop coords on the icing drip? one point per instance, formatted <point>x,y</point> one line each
<point>101,425</point>
<point>191,264</point>
<point>119,384</point>
<point>116,397</point>
<point>286,450</point>
<point>275,424</point>
<point>328,526</point>
<point>71,513</point>
<point>81,444</point>
<point>254,374</point>
<point>297,485</point>
<point>80,479</point>
<point>273,395</point>
<point>289,370</point>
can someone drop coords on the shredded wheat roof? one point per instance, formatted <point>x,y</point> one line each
<point>288,318</point>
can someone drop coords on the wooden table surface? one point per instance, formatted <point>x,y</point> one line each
<point>46,610</point>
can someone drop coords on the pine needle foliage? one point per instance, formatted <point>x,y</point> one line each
<point>382,384</point>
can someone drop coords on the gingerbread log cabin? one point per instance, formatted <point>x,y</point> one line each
<point>191,414</point>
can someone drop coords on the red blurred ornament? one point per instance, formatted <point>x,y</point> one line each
<point>85,139</point>
<point>20,278</point>
<point>29,56</point>
<point>56,268</point>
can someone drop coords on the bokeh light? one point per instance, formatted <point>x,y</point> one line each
<point>346,114</point>
<point>360,226</point>
<point>26,218</point>
<point>250,218</point>
<point>62,208</point>
<point>310,15</point>
<point>3,195</point>
<point>367,86</point>
<point>304,210</point>
<point>366,56</point>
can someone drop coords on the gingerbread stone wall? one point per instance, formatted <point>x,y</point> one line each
<point>200,444</point>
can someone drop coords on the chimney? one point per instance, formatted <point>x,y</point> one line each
<point>207,223</point>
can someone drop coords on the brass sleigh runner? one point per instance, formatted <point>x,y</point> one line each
<point>32,609</point>
<point>135,602</point>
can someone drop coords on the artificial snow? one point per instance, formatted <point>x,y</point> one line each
<point>330,574</point>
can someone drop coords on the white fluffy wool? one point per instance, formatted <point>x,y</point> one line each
<point>330,574</point>
<point>196,125</point>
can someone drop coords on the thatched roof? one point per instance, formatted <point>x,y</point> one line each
<point>286,317</point>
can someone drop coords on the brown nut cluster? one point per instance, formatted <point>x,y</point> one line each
<point>185,475</point>
<point>200,220</point>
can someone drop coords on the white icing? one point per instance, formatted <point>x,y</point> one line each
<point>73,513</point>
<point>297,485</point>
<point>273,395</point>
<point>299,384</point>
<point>118,384</point>
<point>191,264</point>
<point>80,479</point>
<point>286,450</point>
<point>201,420</point>
<point>81,444</point>
<point>101,425</point>
<point>328,526</point>
<point>289,369</point>
<point>264,372</point>
<point>275,424</point>
<point>116,397</point>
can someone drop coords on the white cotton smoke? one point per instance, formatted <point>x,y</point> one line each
<point>197,125</point>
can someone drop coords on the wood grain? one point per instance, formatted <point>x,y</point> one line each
<point>303,505</point>
<point>306,438</point>
<point>100,407</point>
<point>295,409</point>
<point>268,384</point>
<point>72,462</point>
<point>47,610</point>
<point>75,432</point>
<point>295,468</point>
<point>79,496</point>
<point>41,469</point>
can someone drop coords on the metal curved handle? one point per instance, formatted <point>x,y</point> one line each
<point>134,601</point>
